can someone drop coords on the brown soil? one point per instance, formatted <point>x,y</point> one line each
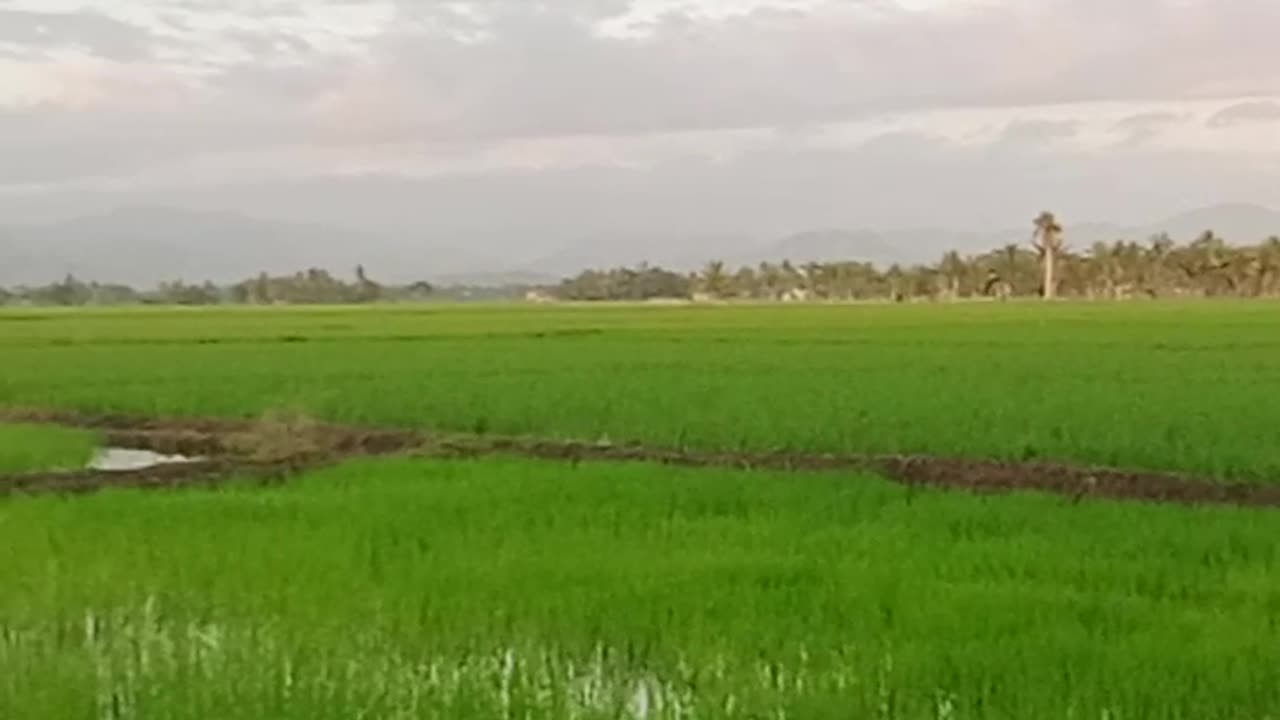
<point>273,448</point>
<point>202,474</point>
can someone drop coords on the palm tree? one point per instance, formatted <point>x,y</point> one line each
<point>1047,240</point>
<point>952,269</point>
<point>1103,267</point>
<point>1269,265</point>
<point>744,282</point>
<point>1204,260</point>
<point>771,280</point>
<point>1010,262</point>
<point>715,281</point>
<point>1161,246</point>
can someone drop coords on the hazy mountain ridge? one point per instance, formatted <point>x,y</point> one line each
<point>1238,223</point>
<point>146,245</point>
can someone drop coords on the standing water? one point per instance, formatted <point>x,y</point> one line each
<point>121,459</point>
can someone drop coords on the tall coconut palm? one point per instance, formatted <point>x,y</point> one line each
<point>1269,266</point>
<point>1047,240</point>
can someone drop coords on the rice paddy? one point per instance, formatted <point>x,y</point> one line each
<point>516,588</point>
<point>1162,386</point>
<point>26,448</point>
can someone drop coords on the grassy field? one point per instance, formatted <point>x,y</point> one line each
<point>500,588</point>
<point>512,589</point>
<point>1159,386</point>
<point>26,448</point>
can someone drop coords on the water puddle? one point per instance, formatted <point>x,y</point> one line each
<point>121,459</point>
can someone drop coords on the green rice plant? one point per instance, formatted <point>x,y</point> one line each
<point>30,448</point>
<point>508,589</point>
<point>1168,386</point>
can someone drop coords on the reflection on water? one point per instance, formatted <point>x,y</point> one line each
<point>119,459</point>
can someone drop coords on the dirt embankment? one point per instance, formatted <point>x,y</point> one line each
<point>274,448</point>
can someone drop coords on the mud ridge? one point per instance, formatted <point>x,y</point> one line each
<point>1077,482</point>
<point>188,475</point>
<point>273,450</point>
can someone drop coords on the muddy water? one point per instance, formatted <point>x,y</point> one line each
<point>121,459</point>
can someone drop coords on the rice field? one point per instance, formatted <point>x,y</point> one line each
<point>1161,386</point>
<point>512,589</point>
<point>508,588</point>
<point>26,448</point>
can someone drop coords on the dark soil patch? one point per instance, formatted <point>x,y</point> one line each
<point>1077,482</point>
<point>270,439</point>
<point>270,449</point>
<point>274,448</point>
<point>188,475</point>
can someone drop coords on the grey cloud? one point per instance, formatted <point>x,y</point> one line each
<point>1142,127</point>
<point>525,68</point>
<point>541,72</point>
<point>40,32</point>
<point>249,8</point>
<point>268,44</point>
<point>1246,113</point>
<point>1141,122</point>
<point>1038,132</point>
<point>898,180</point>
<point>44,144</point>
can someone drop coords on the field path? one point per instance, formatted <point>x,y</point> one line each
<point>274,450</point>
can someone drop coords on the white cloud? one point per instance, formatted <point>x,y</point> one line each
<point>156,93</point>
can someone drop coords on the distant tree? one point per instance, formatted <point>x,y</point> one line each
<point>180,293</point>
<point>1156,277</point>
<point>1208,265</point>
<point>1268,267</point>
<point>1047,240</point>
<point>991,284</point>
<point>262,289</point>
<point>714,281</point>
<point>366,290</point>
<point>420,290</point>
<point>68,292</point>
<point>895,278</point>
<point>640,283</point>
<point>771,280</point>
<point>952,269</point>
<point>745,282</point>
<point>1102,268</point>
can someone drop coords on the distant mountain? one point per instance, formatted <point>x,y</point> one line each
<point>1238,224</point>
<point>147,245</point>
<point>674,252</point>
<point>143,246</point>
<point>862,245</point>
<point>829,245</point>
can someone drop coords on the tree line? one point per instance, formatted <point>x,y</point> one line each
<point>309,287</point>
<point>313,286</point>
<point>1045,267</point>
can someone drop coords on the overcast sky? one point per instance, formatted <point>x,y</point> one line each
<point>598,115</point>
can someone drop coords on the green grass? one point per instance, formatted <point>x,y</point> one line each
<point>413,589</point>
<point>1175,386</point>
<point>506,589</point>
<point>29,448</point>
